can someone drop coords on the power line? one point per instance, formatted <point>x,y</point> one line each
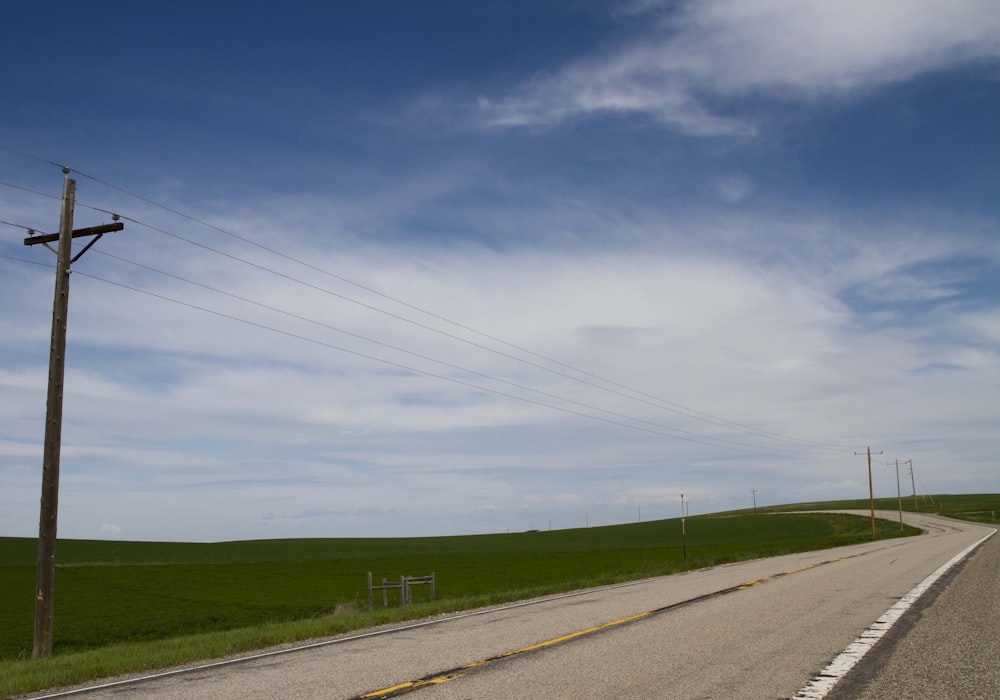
<point>675,433</point>
<point>29,229</point>
<point>32,157</point>
<point>658,403</point>
<point>634,394</point>
<point>668,405</point>
<point>754,448</point>
<point>415,370</point>
<point>28,189</point>
<point>25,260</point>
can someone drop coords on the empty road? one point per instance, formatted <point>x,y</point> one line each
<point>759,629</point>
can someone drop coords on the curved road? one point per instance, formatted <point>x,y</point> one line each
<point>759,629</point>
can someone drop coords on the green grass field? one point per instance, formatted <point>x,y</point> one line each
<point>132,605</point>
<point>979,507</point>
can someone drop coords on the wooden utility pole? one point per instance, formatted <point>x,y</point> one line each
<point>53,411</point>
<point>684,542</point>
<point>871,492</point>
<point>899,495</point>
<point>913,482</point>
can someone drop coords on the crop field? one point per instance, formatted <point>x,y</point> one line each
<point>113,592</point>
<point>131,605</point>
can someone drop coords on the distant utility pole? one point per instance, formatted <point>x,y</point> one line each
<point>53,409</point>
<point>899,495</point>
<point>684,545</point>
<point>913,483</point>
<point>871,492</point>
<point>754,492</point>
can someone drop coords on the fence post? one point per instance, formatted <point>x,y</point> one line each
<point>405,587</point>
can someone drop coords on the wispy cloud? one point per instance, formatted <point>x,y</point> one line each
<point>677,71</point>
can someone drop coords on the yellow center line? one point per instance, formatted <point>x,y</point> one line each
<point>410,686</point>
<point>574,635</point>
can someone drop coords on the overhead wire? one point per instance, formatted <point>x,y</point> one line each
<point>25,260</point>
<point>29,229</point>
<point>713,440</point>
<point>398,365</point>
<point>28,189</point>
<point>656,404</point>
<point>676,434</point>
<point>668,405</point>
<point>692,435</point>
<point>634,394</point>
<point>31,157</point>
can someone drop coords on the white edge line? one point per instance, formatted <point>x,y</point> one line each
<point>823,682</point>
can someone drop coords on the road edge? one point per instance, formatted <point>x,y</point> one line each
<point>822,684</point>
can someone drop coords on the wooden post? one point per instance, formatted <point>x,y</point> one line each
<point>913,483</point>
<point>45,586</point>
<point>871,493</point>
<point>684,546</point>
<point>46,572</point>
<point>899,497</point>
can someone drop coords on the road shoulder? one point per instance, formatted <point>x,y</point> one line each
<point>946,646</point>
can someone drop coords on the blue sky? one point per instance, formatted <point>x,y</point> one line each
<point>398,268</point>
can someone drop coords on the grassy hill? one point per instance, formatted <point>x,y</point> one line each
<point>129,605</point>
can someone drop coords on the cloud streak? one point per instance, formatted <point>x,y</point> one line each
<point>683,71</point>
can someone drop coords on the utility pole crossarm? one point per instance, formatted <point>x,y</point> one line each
<point>77,233</point>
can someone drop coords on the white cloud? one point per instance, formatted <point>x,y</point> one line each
<point>786,49</point>
<point>820,48</point>
<point>208,412</point>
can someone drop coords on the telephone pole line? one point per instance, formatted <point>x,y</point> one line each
<point>684,542</point>
<point>913,483</point>
<point>53,409</point>
<point>871,492</point>
<point>899,495</point>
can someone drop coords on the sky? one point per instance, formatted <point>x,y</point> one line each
<point>409,269</point>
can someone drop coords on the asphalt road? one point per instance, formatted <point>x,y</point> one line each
<point>759,629</point>
<point>948,647</point>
